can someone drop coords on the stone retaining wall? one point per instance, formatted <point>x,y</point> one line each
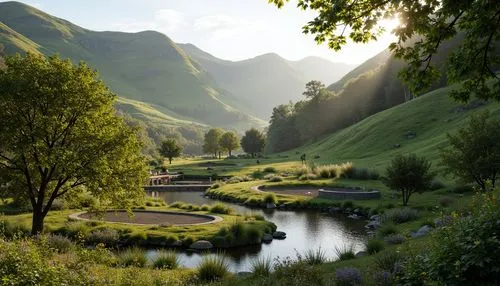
<point>343,194</point>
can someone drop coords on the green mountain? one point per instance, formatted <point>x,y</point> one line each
<point>418,126</point>
<point>154,78</point>
<point>268,80</point>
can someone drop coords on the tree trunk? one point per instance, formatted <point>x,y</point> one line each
<point>37,221</point>
<point>229,153</point>
<point>219,154</point>
<point>170,160</point>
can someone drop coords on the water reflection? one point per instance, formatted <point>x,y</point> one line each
<point>305,230</point>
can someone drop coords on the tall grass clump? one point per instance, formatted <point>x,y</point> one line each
<point>166,259</point>
<point>213,268</point>
<point>133,256</point>
<point>220,208</point>
<point>307,177</point>
<point>345,252</point>
<point>315,257</point>
<point>270,170</point>
<point>375,245</point>
<point>398,216</point>
<point>303,170</point>
<point>60,243</point>
<point>270,198</point>
<point>273,178</point>
<point>261,267</point>
<point>387,229</point>
<point>106,236</point>
<point>326,171</point>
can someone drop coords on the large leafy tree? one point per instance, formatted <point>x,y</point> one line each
<point>253,142</point>
<point>424,26</point>
<point>212,139</point>
<point>313,88</point>
<point>229,142</point>
<point>474,152</point>
<point>409,174</point>
<point>60,135</point>
<point>170,149</point>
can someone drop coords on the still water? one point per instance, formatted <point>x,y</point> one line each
<point>305,230</point>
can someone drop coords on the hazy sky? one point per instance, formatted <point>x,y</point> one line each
<point>228,29</point>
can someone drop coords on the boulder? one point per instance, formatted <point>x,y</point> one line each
<point>374,224</point>
<point>267,237</point>
<point>201,245</point>
<point>361,254</point>
<point>424,230</point>
<point>177,243</point>
<point>375,217</point>
<point>354,216</point>
<point>270,206</point>
<point>279,235</point>
<point>282,206</point>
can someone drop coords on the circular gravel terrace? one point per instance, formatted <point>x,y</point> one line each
<point>141,217</point>
<point>337,193</point>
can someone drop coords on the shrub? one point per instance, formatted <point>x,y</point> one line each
<point>60,243</point>
<point>445,201</point>
<point>400,215</point>
<point>106,236</point>
<point>387,229</point>
<point>237,228</point>
<point>220,208</point>
<point>345,252</point>
<point>436,185</point>
<point>472,243</point>
<point>374,245</point>
<point>348,277</point>
<point>253,234</point>
<point>258,217</point>
<point>390,261</point>
<point>258,174</point>
<point>296,272</point>
<point>274,178</point>
<point>270,170</point>
<point>304,170</point>
<point>307,177</point>
<point>315,257</point>
<point>394,239</point>
<point>187,241</point>
<point>13,229</point>
<point>409,174</point>
<point>261,267</point>
<point>166,259</point>
<point>133,257</point>
<point>348,205</point>
<point>384,278</point>
<point>326,171</point>
<point>76,229</point>
<point>205,208</point>
<point>213,268</point>
<point>178,205</point>
<point>270,198</point>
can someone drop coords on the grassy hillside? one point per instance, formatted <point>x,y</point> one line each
<point>371,142</point>
<point>268,80</point>
<point>145,66</point>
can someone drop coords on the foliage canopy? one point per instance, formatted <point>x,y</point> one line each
<point>170,149</point>
<point>229,142</point>
<point>212,139</point>
<point>474,152</point>
<point>253,142</point>
<point>409,174</point>
<point>60,135</point>
<point>424,26</point>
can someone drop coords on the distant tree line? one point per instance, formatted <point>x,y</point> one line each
<point>324,111</point>
<point>218,141</point>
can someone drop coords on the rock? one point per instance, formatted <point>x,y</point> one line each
<point>361,254</point>
<point>356,211</point>
<point>354,216</point>
<point>375,217</point>
<point>177,243</point>
<point>336,210</point>
<point>279,235</point>
<point>267,237</point>
<point>348,210</point>
<point>282,207</point>
<point>374,224</point>
<point>396,146</point>
<point>201,245</point>
<point>424,230</point>
<point>270,206</point>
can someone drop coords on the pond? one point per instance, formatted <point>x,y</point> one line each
<point>305,230</point>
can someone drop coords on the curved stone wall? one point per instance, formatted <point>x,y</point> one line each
<point>348,194</point>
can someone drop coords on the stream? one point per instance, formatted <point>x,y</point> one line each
<point>305,230</point>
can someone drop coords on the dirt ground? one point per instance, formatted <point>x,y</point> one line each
<point>148,218</point>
